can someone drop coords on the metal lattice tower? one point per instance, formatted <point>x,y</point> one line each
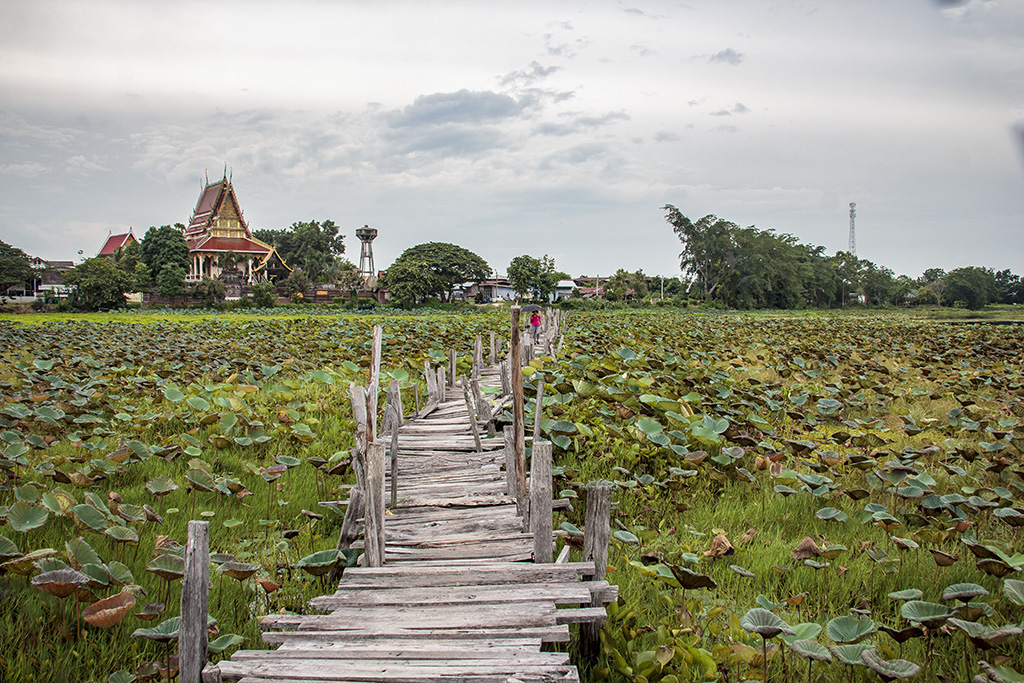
<point>852,249</point>
<point>366,235</point>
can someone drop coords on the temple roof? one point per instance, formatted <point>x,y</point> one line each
<point>239,245</point>
<point>115,242</point>
<point>211,203</point>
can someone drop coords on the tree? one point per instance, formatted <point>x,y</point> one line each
<point>162,247</point>
<point>971,287</point>
<point>210,292</point>
<point>347,276</point>
<point>298,282</point>
<point>97,283</point>
<point>264,294</point>
<point>171,281</point>
<point>1010,287</point>
<point>433,269</point>
<point>533,277</point>
<point>313,246</point>
<point>15,267</point>
<point>706,245</point>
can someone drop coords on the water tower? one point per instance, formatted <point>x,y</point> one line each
<point>366,235</point>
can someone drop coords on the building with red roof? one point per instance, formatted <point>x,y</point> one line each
<point>115,243</point>
<point>219,239</point>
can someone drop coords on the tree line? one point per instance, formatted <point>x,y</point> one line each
<point>751,268</point>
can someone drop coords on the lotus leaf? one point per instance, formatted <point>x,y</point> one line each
<point>150,611</point>
<point>764,623</point>
<point>810,649</point>
<point>79,552</point>
<point>963,592</point>
<point>907,594</point>
<point>160,486</point>
<point>806,631</point>
<point>240,571</point>
<point>984,637</point>
<point>1014,591</point>
<point>928,614</point>
<point>109,611</point>
<point>163,632</point>
<point>746,573</point>
<point>167,566</point>
<point>24,517</point>
<point>850,655</point>
<point>123,534</point>
<point>25,564</point>
<point>1001,674</point>
<point>319,563</point>
<point>7,549</point>
<point>690,580</point>
<point>849,629</point>
<point>889,669</point>
<point>995,567</point>
<point>902,635</point>
<point>61,582</point>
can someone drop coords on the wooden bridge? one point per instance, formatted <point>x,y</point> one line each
<point>463,590</point>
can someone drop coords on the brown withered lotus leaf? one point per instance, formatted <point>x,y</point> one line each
<point>720,546</point>
<point>806,549</point>
<point>944,559</point>
<point>747,536</point>
<point>109,611</point>
<point>150,611</point>
<point>61,582</point>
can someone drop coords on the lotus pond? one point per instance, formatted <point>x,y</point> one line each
<point>818,497</point>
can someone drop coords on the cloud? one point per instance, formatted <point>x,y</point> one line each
<point>728,129</point>
<point>463,106</point>
<point>524,77</point>
<point>727,56</point>
<point>665,136</point>
<point>29,169</point>
<point>721,112</point>
<point>80,165</point>
<point>740,108</point>
<point>581,123</point>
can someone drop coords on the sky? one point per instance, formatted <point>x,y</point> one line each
<point>524,127</point>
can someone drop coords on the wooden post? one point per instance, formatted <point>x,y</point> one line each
<point>195,598</point>
<point>451,365</point>
<point>518,417</point>
<point>416,397</point>
<point>396,394</point>
<point>431,378</point>
<point>540,502</point>
<point>538,413</point>
<point>395,420</point>
<point>596,534</point>
<point>349,526</point>
<point>373,388</point>
<point>506,385</point>
<point>472,416</point>
<point>494,351</point>
<point>374,514</point>
<point>478,356</point>
<point>442,385</point>
<point>510,461</point>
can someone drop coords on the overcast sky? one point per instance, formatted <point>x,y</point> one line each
<point>523,127</point>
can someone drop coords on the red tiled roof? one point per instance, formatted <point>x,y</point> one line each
<point>209,205</point>
<point>115,242</point>
<point>239,245</point>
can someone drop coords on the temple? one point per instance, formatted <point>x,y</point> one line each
<point>219,241</point>
<point>115,243</point>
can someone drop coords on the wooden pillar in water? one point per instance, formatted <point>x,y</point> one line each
<point>518,412</point>
<point>540,502</point>
<point>374,513</point>
<point>510,462</point>
<point>494,350</point>
<point>195,597</point>
<point>597,532</point>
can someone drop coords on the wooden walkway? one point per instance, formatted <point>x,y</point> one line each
<point>458,598</point>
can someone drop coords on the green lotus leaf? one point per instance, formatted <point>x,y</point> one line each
<point>120,574</point>
<point>829,514</point>
<point>1001,674</point>
<point>25,564</point>
<point>89,517</point>
<point>1014,591</point>
<point>8,550</point>
<point>849,655</point>
<point>889,669</point>
<point>908,594</point>
<point>169,567</point>
<point>201,480</point>
<point>849,629</point>
<point>24,516</point>
<point>928,614</point>
<point>123,534</point>
<point>79,552</point>
<point>240,571</point>
<point>223,642</point>
<point>163,632</point>
<point>160,486</point>
<point>963,591</point>
<point>287,461</point>
<point>319,563</point>
<point>810,649</point>
<point>808,630</point>
<point>746,573</point>
<point>764,623</point>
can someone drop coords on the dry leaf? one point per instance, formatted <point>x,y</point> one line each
<point>806,549</point>
<point>747,536</point>
<point>720,546</point>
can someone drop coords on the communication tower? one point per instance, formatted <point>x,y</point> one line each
<point>366,235</point>
<point>853,236</point>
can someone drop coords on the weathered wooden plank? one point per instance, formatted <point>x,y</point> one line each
<point>413,647</point>
<point>475,656</point>
<point>540,498</point>
<point>582,615</point>
<point>558,633</point>
<point>560,593</point>
<point>426,574</point>
<point>194,602</point>
<point>380,670</point>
